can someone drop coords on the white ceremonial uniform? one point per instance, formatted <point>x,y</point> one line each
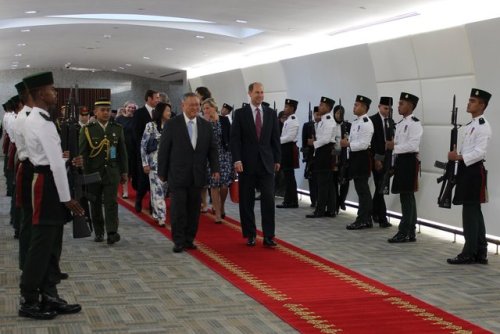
<point>19,132</point>
<point>361,134</point>
<point>44,148</point>
<point>408,134</point>
<point>475,143</point>
<point>325,131</point>
<point>290,130</point>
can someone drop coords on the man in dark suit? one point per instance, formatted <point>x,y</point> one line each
<point>142,116</point>
<point>186,144</point>
<point>255,145</point>
<point>380,122</point>
<point>309,132</point>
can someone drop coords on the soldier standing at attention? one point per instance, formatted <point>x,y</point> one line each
<point>471,180</point>
<point>323,146</point>
<point>359,156</point>
<point>51,201</point>
<point>102,145</point>
<point>289,154</point>
<point>405,147</point>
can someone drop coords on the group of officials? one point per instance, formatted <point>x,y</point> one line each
<point>336,153</point>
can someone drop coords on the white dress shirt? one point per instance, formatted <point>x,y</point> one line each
<point>290,130</point>
<point>325,131</point>
<point>18,130</point>
<point>194,135</point>
<point>361,134</point>
<point>477,136</point>
<point>408,134</point>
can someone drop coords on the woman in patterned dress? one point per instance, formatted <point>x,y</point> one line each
<point>219,188</point>
<point>161,115</point>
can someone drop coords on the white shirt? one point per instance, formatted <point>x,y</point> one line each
<point>408,134</point>
<point>44,148</point>
<point>476,140</point>
<point>325,131</point>
<point>194,135</point>
<point>290,130</point>
<point>7,124</point>
<point>361,134</point>
<point>150,110</point>
<point>18,130</point>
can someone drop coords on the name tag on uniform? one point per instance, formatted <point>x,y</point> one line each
<point>112,152</point>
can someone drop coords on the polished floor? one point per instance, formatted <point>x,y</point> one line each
<point>139,286</point>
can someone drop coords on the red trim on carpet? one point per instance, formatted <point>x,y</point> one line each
<point>308,292</point>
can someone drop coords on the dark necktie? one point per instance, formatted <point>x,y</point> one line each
<point>258,122</point>
<point>386,125</point>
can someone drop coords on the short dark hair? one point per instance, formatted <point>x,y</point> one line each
<point>250,87</point>
<point>189,94</point>
<point>149,93</point>
<point>204,92</point>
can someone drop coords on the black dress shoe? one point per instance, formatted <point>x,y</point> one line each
<point>287,206</point>
<point>59,305</point>
<point>190,245</point>
<point>461,259</point>
<point>178,249</point>
<point>330,214</point>
<point>138,207</point>
<point>359,225</point>
<point>481,260</point>
<point>398,238</point>
<point>385,224</point>
<point>99,238</point>
<point>251,241</point>
<point>315,215</point>
<point>269,242</point>
<point>63,275</point>
<point>113,237</point>
<point>33,310</point>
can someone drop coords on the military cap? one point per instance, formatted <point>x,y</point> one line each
<point>227,106</point>
<point>482,94</point>
<point>15,100</point>
<point>293,103</point>
<point>21,88</point>
<point>410,98</point>
<point>386,101</point>
<point>39,80</point>
<point>84,111</point>
<point>328,101</point>
<point>102,102</point>
<point>363,99</point>
<point>4,106</point>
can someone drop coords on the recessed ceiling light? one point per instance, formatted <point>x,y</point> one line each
<point>107,36</point>
<point>30,12</point>
<point>15,62</point>
<point>199,36</point>
<point>25,30</point>
<point>18,55</point>
<point>241,21</point>
<point>128,65</point>
<point>21,44</point>
<point>121,68</point>
<point>168,49</point>
<point>114,70</point>
<point>147,58</point>
<point>28,65</point>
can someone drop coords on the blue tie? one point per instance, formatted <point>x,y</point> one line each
<point>190,131</point>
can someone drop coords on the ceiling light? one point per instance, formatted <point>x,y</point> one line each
<point>121,68</point>
<point>128,65</point>
<point>114,70</point>
<point>199,36</point>
<point>147,58</point>
<point>132,17</point>
<point>241,21</point>
<point>168,49</point>
<point>25,30</point>
<point>18,55</point>
<point>107,36</point>
<point>30,12</point>
<point>21,44</point>
<point>28,65</point>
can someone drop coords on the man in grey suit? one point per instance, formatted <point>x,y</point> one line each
<point>187,142</point>
<point>256,150</point>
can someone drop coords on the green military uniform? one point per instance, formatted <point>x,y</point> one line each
<point>103,150</point>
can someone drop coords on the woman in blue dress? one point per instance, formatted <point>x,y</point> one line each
<point>149,156</point>
<point>219,188</point>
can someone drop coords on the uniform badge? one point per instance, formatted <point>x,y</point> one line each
<point>477,93</point>
<point>406,127</point>
<point>471,131</point>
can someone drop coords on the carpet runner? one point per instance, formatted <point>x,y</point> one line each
<point>310,293</point>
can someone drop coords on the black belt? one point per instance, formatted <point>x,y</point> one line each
<point>42,169</point>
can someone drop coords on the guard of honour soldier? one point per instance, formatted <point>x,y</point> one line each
<point>44,202</point>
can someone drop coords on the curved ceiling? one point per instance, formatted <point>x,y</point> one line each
<point>157,38</point>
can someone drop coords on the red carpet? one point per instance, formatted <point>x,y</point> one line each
<point>308,292</point>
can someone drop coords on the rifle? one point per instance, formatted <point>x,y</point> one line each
<point>310,116</point>
<point>385,183</point>
<point>344,157</point>
<point>449,177</point>
<point>307,152</point>
<point>70,132</point>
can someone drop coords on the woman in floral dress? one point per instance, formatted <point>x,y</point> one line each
<point>219,188</point>
<point>161,115</point>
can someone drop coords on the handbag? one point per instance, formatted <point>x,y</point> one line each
<point>234,191</point>
<point>151,145</point>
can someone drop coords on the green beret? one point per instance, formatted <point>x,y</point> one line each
<point>363,99</point>
<point>21,88</point>
<point>482,94</point>
<point>293,103</point>
<point>328,101</point>
<point>410,98</point>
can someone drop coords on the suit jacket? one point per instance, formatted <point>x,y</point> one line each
<point>245,146</point>
<point>226,132</point>
<point>180,164</point>
<point>378,138</point>
<point>141,118</point>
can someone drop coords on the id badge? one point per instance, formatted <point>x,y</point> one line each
<point>112,152</point>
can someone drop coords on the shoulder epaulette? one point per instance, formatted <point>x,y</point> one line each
<point>481,121</point>
<point>415,119</point>
<point>45,117</point>
<point>365,119</point>
<point>328,117</point>
<point>292,117</point>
